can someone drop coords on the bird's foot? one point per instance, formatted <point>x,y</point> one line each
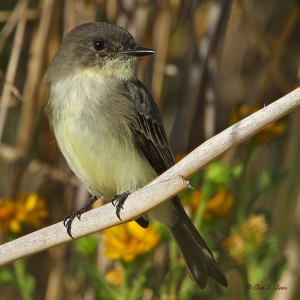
<point>77,213</point>
<point>118,201</point>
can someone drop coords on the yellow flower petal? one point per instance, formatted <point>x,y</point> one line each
<point>129,240</point>
<point>15,226</point>
<point>114,277</point>
<point>220,205</point>
<point>25,209</point>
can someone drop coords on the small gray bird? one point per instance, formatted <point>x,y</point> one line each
<point>110,131</point>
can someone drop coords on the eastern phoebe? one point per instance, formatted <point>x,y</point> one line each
<point>110,131</point>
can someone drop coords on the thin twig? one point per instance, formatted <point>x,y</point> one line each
<point>279,47</point>
<point>12,67</point>
<point>15,16</point>
<point>5,16</point>
<point>261,42</point>
<point>14,90</point>
<point>42,170</point>
<point>159,190</point>
<point>9,153</point>
<point>56,234</point>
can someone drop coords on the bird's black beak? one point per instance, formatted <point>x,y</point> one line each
<point>138,51</point>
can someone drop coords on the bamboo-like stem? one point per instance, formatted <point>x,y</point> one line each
<point>12,66</point>
<point>161,33</point>
<point>161,189</point>
<point>32,83</point>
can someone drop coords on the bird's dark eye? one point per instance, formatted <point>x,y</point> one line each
<point>99,45</point>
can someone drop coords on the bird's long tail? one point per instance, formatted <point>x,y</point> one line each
<point>199,259</point>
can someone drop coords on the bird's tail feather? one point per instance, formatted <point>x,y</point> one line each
<point>199,259</point>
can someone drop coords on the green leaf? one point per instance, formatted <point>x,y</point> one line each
<point>25,281</point>
<point>237,170</point>
<point>219,174</point>
<point>87,246</point>
<point>277,269</point>
<point>6,276</point>
<point>269,180</point>
<point>103,288</point>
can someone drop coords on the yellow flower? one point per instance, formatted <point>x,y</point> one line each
<point>25,209</point>
<point>32,209</point>
<point>114,277</point>
<point>241,112</point>
<point>127,241</point>
<point>8,222</point>
<point>267,134</point>
<point>246,239</point>
<point>255,228</point>
<point>194,200</point>
<point>270,132</point>
<point>219,205</point>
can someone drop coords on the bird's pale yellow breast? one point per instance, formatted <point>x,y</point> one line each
<point>92,130</point>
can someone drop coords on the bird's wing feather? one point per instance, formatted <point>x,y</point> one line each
<point>148,130</point>
<point>150,138</point>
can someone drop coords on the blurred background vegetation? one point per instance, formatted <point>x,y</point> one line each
<point>216,62</point>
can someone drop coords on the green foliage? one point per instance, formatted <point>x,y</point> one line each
<point>25,281</point>
<point>103,289</point>
<point>6,276</point>
<point>20,278</point>
<point>87,246</point>
<point>218,174</point>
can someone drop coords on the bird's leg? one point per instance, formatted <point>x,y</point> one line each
<point>77,213</point>
<point>118,201</point>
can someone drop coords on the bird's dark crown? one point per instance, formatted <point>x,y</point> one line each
<point>101,47</point>
<point>114,38</point>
